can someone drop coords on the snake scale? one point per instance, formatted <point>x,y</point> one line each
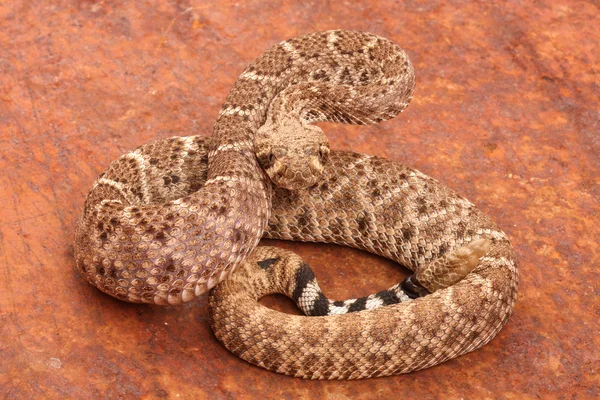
<point>170,220</point>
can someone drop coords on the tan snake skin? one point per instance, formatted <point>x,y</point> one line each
<point>152,231</point>
<point>170,220</point>
<point>387,209</point>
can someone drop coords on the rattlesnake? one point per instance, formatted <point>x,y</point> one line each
<point>170,220</point>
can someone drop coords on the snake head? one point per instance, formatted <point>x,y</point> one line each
<point>293,154</point>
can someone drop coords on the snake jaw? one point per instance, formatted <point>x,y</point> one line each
<point>295,177</point>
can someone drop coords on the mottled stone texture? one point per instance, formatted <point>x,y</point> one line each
<point>505,112</point>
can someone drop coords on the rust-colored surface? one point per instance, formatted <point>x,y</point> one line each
<point>505,112</point>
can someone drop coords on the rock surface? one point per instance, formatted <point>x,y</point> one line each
<point>505,112</point>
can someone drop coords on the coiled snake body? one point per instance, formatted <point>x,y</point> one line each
<point>173,218</point>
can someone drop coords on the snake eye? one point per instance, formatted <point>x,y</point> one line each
<point>277,153</point>
<point>271,158</point>
<point>323,153</point>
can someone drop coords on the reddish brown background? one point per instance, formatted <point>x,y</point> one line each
<point>506,112</point>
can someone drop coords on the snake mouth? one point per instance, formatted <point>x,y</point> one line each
<point>290,179</point>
